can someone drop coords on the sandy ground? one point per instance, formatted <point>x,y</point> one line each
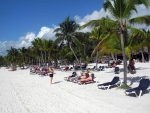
<point>21,92</point>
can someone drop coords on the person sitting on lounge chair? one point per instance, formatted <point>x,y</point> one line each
<point>68,78</point>
<point>76,77</point>
<point>35,70</point>
<point>131,67</point>
<point>84,80</point>
<point>80,76</point>
<point>14,68</point>
<point>43,71</point>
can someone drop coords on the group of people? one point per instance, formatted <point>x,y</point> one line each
<point>43,71</point>
<point>80,78</point>
<point>131,65</point>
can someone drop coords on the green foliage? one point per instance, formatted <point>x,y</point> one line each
<point>21,64</point>
<point>69,56</point>
<point>87,58</point>
<point>1,60</point>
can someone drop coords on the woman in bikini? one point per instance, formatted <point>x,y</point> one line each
<point>51,72</point>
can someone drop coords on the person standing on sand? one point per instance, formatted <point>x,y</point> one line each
<point>51,73</point>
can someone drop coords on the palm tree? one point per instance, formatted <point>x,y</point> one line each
<point>121,12</point>
<point>95,34</point>
<point>1,61</point>
<point>44,47</point>
<point>66,32</point>
<point>12,55</point>
<point>142,39</point>
<point>83,49</point>
<point>23,53</point>
<point>37,49</point>
<point>49,49</point>
<point>148,45</point>
<point>30,55</point>
<point>54,51</point>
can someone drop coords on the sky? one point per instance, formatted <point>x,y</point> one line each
<point>22,21</point>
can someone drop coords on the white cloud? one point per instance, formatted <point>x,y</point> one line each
<point>141,11</point>
<point>94,16</point>
<point>4,46</point>
<point>47,33</point>
<point>25,41</point>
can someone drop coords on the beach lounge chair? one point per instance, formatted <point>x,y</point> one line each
<point>70,68</point>
<point>143,85</point>
<point>101,68</point>
<point>117,70</point>
<point>115,81</point>
<point>94,68</point>
<point>149,86</point>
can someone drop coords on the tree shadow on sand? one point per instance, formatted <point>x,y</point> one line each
<point>141,68</point>
<point>112,71</point>
<point>135,79</point>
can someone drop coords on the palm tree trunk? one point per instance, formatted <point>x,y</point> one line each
<point>42,59</point>
<point>96,59</point>
<point>74,53</point>
<point>75,56</point>
<point>112,55</point>
<point>148,53</point>
<point>32,62</point>
<point>45,58</point>
<point>115,57</point>
<point>142,56</point>
<point>124,58</point>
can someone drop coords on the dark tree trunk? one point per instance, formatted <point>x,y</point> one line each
<point>96,59</point>
<point>124,58</point>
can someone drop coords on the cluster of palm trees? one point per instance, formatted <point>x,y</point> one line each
<point>44,51</point>
<point>111,35</point>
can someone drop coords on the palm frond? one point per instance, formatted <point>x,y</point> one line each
<point>59,40</point>
<point>140,20</point>
<point>76,42</point>
<point>139,33</point>
<point>146,3</point>
<point>129,8</point>
<point>104,22</point>
<point>57,30</point>
<point>110,7</point>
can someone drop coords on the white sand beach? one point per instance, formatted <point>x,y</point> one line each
<point>21,92</point>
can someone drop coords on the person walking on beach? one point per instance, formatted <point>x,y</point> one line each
<point>51,72</point>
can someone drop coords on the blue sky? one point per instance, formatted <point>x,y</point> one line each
<point>21,16</point>
<point>23,20</point>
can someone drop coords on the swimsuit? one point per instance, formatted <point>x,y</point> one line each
<point>50,75</point>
